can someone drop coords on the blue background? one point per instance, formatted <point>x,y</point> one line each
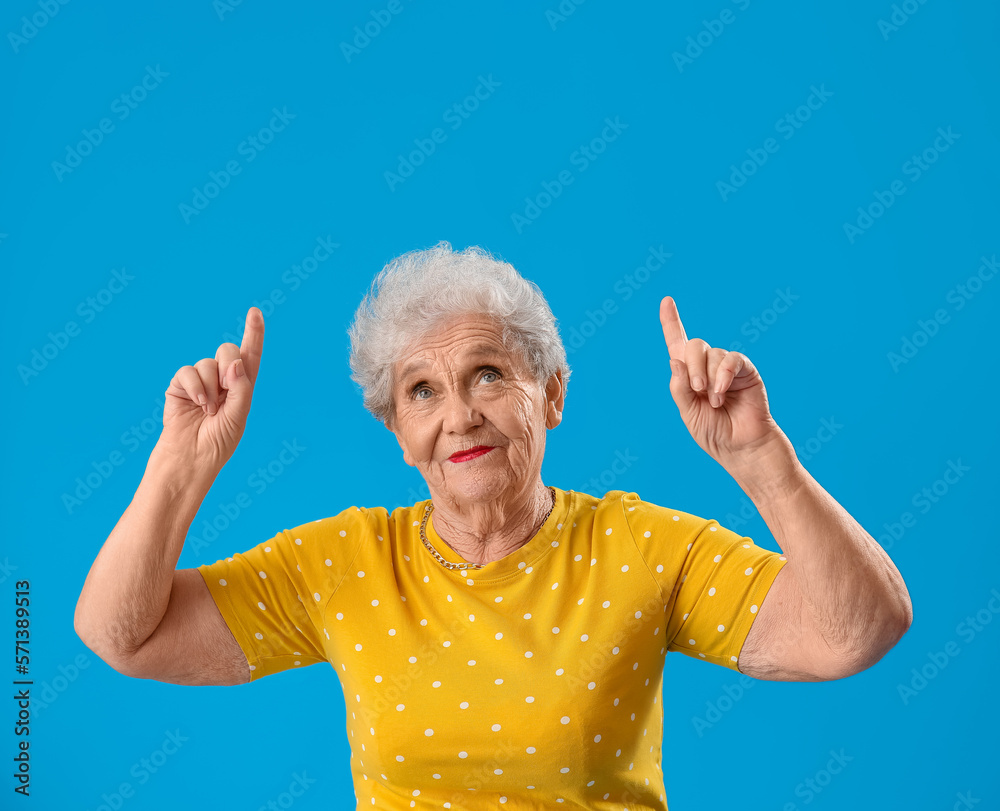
<point>688,125</point>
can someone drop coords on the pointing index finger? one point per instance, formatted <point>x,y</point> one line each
<point>253,343</point>
<point>673,329</point>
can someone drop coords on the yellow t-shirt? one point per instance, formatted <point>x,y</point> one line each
<point>534,681</point>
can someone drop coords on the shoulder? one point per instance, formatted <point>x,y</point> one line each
<point>641,514</point>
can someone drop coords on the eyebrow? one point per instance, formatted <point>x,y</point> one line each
<point>476,351</point>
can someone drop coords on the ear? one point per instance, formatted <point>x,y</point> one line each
<point>555,397</point>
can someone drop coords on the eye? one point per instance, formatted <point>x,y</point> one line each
<point>489,370</point>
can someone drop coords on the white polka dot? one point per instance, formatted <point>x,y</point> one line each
<point>625,568</point>
<point>262,575</point>
<point>400,707</point>
<point>555,586</point>
<point>343,533</point>
<point>298,541</point>
<point>498,771</point>
<point>527,616</point>
<point>597,739</point>
<point>472,662</point>
<point>753,609</point>
<point>358,646</point>
<point>606,603</point>
<point>677,518</point>
<point>464,705</point>
<point>530,750</point>
<point>564,719</point>
<point>733,658</point>
<point>495,727</point>
<point>702,655</point>
<point>555,630</point>
<point>528,654</point>
<point>392,632</point>
<point>253,667</point>
<point>711,591</point>
<point>463,754</point>
<point>472,617</point>
<point>427,579</point>
<point>521,565</point>
<point>361,574</point>
<point>722,628</point>
<point>659,568</point>
<point>529,699</point>
<point>749,570</point>
<point>615,650</point>
<point>578,558</point>
<point>328,562</point>
<point>592,560</point>
<point>222,582</point>
<point>528,570</point>
<point>564,769</point>
<point>412,659</point>
<point>498,681</point>
<point>428,733</point>
<point>686,616</point>
<point>316,596</point>
<point>555,544</point>
<point>340,616</point>
<point>499,635</point>
<point>607,531</point>
<point>446,644</point>
<point>646,534</point>
<point>638,614</point>
<point>379,537</point>
<point>591,685</point>
<point>435,684</point>
<point>399,758</point>
<point>261,606</point>
<point>690,641</point>
<point>259,635</point>
<point>560,671</point>
<point>717,558</point>
<point>266,549</point>
<point>498,600</point>
<point>374,602</point>
<point>782,557</point>
<point>584,637</point>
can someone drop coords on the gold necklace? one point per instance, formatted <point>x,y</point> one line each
<point>447,563</point>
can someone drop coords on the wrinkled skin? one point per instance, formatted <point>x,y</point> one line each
<point>487,507</point>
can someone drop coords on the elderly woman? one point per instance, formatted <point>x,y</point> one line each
<point>504,640</point>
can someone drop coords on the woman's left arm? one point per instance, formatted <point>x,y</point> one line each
<point>839,604</point>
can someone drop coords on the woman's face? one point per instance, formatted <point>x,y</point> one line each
<point>459,388</point>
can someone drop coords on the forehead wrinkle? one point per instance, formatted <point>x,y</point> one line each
<point>477,350</point>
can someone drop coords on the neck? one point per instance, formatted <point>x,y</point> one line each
<point>488,531</point>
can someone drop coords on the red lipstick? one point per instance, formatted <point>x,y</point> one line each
<point>471,453</point>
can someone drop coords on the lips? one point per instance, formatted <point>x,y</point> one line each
<point>471,453</point>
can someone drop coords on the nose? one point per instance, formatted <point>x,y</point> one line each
<point>461,412</point>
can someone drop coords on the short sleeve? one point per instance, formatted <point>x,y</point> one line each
<point>273,596</point>
<point>713,580</point>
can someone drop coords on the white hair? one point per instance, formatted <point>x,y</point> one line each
<point>417,292</point>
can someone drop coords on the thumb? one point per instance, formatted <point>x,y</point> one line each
<point>239,392</point>
<point>680,387</point>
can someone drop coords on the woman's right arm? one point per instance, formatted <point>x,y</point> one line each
<point>137,611</point>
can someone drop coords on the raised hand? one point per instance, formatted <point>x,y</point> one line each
<point>207,404</point>
<point>720,394</point>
